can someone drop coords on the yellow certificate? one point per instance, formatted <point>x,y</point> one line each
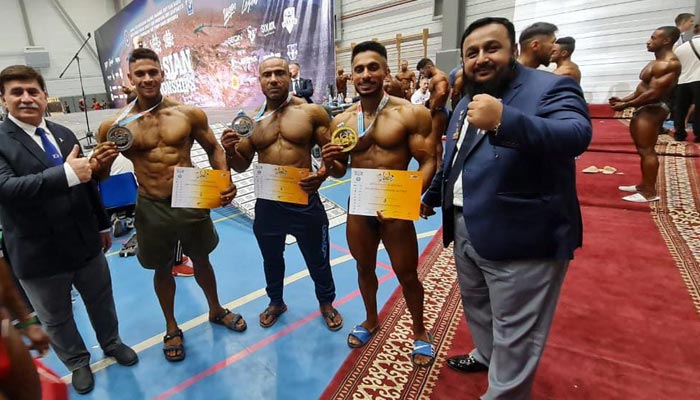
<point>395,193</point>
<point>280,183</point>
<point>198,188</point>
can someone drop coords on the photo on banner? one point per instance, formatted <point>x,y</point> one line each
<point>211,50</point>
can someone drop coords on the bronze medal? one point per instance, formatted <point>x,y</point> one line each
<point>346,137</point>
<point>121,136</point>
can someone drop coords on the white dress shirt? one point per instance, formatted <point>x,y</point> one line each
<point>690,64</point>
<point>419,97</point>
<point>30,130</point>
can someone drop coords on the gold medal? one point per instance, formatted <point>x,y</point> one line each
<point>345,136</point>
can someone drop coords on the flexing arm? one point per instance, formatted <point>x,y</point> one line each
<point>421,142</point>
<point>202,133</point>
<point>664,76</point>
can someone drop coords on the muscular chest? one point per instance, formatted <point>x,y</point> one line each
<point>386,132</point>
<point>646,74</point>
<point>292,128</point>
<point>166,129</point>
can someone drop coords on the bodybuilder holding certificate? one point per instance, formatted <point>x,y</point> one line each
<point>286,128</point>
<point>389,133</point>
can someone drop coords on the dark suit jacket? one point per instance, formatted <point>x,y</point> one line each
<point>48,227</point>
<point>306,89</point>
<point>519,186</point>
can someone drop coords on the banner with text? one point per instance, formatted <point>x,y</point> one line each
<point>210,50</point>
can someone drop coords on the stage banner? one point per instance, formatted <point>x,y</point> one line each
<point>210,50</point>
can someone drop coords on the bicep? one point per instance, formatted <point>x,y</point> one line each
<point>422,141</point>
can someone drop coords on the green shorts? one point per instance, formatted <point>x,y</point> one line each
<point>160,226</point>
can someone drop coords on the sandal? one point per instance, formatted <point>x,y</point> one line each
<point>362,334</point>
<point>272,312</point>
<point>423,348</point>
<point>179,349</point>
<point>232,324</point>
<point>329,317</point>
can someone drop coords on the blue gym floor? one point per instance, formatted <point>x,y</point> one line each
<point>294,359</point>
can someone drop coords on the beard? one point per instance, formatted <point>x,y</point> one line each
<point>495,87</point>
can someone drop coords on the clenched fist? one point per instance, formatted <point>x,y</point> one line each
<point>485,112</point>
<point>229,139</point>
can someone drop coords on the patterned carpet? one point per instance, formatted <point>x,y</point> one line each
<point>676,215</point>
<point>382,369</point>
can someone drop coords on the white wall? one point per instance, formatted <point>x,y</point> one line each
<point>51,31</point>
<point>610,35</point>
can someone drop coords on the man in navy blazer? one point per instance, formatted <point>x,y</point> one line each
<point>55,227</point>
<point>508,193</point>
<point>299,86</point>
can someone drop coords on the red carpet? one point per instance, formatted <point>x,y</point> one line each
<point>626,326</point>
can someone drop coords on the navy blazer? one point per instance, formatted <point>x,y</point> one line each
<point>306,89</point>
<point>519,185</point>
<point>48,227</point>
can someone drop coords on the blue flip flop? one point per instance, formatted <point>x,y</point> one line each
<point>423,348</point>
<point>362,334</point>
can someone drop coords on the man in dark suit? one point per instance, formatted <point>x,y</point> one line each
<point>508,193</point>
<point>299,86</point>
<point>55,227</point>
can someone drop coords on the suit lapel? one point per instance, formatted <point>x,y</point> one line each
<point>21,136</point>
<point>454,129</point>
<point>63,145</point>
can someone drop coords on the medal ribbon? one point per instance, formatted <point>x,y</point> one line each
<point>259,116</point>
<point>361,116</point>
<point>135,116</point>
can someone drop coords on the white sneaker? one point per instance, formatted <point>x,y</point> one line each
<point>639,198</point>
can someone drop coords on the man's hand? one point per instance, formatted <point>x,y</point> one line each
<point>80,165</point>
<point>106,240</point>
<point>39,339</point>
<point>619,106</point>
<point>228,194</point>
<point>614,100</point>
<point>103,156</point>
<point>312,182</point>
<point>230,139</point>
<point>426,210</point>
<point>485,112</point>
<point>331,152</point>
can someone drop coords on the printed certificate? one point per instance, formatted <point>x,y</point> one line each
<point>395,193</point>
<point>280,183</point>
<point>198,188</point>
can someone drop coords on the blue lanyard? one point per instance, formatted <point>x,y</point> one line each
<point>135,116</point>
<point>259,116</point>
<point>361,116</point>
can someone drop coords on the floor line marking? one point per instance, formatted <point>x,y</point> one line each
<point>203,318</point>
<point>256,346</point>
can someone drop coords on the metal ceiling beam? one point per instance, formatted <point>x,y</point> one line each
<point>76,31</point>
<point>25,19</point>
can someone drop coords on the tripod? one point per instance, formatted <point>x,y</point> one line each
<point>88,135</point>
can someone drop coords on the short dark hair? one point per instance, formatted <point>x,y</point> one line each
<point>424,62</point>
<point>567,43</point>
<point>20,73</point>
<point>672,32</point>
<point>369,45</point>
<point>683,17</point>
<point>292,63</point>
<point>143,54</point>
<point>537,29</point>
<point>488,21</point>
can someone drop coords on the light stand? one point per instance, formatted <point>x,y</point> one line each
<point>88,135</point>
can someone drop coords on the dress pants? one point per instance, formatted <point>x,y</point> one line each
<point>51,299</point>
<point>309,224</point>
<point>685,95</point>
<point>509,307</point>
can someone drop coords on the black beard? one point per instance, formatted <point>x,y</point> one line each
<point>494,87</point>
